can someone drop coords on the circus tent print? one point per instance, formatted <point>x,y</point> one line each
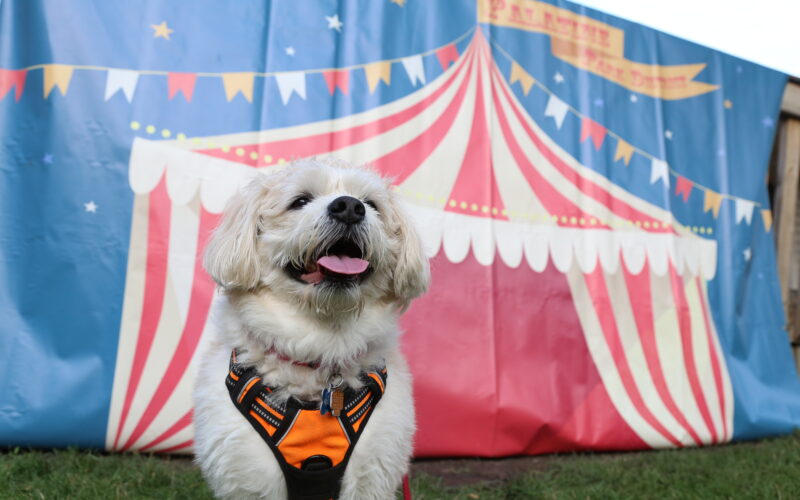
<point>503,209</point>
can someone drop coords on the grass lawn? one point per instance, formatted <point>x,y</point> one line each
<point>765,469</point>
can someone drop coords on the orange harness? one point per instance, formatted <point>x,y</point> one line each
<point>312,448</point>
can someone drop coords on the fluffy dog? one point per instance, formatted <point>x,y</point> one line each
<point>314,263</point>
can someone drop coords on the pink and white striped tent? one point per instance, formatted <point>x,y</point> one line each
<point>566,313</point>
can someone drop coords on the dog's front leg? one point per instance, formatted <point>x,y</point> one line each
<point>381,456</point>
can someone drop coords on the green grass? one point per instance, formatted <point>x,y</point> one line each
<point>765,469</point>
<point>75,474</point>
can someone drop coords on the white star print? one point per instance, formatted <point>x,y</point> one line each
<point>634,98</point>
<point>90,207</point>
<point>290,51</point>
<point>668,134</point>
<point>334,23</point>
<point>558,77</point>
<point>747,254</point>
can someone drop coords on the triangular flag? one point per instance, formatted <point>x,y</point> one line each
<point>447,54</point>
<point>659,170</point>
<point>683,186</point>
<point>121,79</point>
<point>520,75</point>
<point>12,78</point>
<point>381,70</point>
<point>590,128</point>
<point>57,75</point>
<point>767,216</point>
<point>238,82</point>
<point>557,109</point>
<point>624,151</point>
<point>712,201</point>
<point>291,82</point>
<point>339,79</point>
<point>181,82</point>
<point>744,210</point>
<point>414,69</point>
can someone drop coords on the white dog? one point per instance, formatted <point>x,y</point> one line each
<point>314,263</point>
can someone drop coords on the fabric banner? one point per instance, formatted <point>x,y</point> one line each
<point>590,192</point>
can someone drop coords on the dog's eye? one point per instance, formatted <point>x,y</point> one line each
<point>372,204</point>
<point>300,202</point>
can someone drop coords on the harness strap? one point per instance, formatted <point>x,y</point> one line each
<point>312,449</point>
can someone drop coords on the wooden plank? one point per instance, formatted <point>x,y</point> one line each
<point>791,99</point>
<point>786,203</point>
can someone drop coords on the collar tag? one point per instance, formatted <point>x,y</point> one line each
<point>332,396</point>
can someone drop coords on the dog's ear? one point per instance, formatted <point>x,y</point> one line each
<point>412,273</point>
<point>231,256</point>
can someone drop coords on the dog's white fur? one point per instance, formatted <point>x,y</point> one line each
<point>354,328</point>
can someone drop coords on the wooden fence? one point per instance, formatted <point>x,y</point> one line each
<point>783,186</point>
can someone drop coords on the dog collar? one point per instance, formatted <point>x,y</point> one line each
<point>308,364</point>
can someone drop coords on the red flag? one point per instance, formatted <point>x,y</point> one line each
<point>10,78</point>
<point>447,54</point>
<point>337,79</point>
<point>683,187</point>
<point>181,82</point>
<point>590,128</point>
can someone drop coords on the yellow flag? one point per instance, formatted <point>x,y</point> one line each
<point>624,151</point>
<point>712,201</point>
<point>767,216</point>
<point>238,82</point>
<point>520,75</point>
<point>381,70</point>
<point>57,75</point>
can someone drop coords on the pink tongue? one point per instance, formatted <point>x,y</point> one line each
<point>343,265</point>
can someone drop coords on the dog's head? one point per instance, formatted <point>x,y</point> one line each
<point>326,234</point>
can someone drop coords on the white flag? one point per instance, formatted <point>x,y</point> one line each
<point>557,109</point>
<point>744,210</point>
<point>414,69</point>
<point>659,170</point>
<point>121,79</point>
<point>291,82</point>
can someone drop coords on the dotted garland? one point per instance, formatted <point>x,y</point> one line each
<point>166,134</point>
<point>463,205</point>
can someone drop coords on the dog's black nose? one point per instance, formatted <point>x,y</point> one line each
<point>347,209</point>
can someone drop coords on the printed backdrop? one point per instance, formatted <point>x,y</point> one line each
<point>591,194</point>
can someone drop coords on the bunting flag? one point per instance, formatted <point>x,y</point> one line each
<point>238,82</point>
<point>381,70</point>
<point>414,69</point>
<point>121,79</point>
<point>624,151</point>
<point>520,75</point>
<point>712,201</point>
<point>57,75</point>
<point>557,109</point>
<point>181,82</point>
<point>288,83</point>
<point>447,55</point>
<point>766,215</point>
<point>683,187</point>
<point>744,210</point>
<point>590,128</point>
<point>337,79</point>
<point>659,170</point>
<point>12,78</point>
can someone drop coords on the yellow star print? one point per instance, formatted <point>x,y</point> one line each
<point>401,3</point>
<point>161,30</point>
